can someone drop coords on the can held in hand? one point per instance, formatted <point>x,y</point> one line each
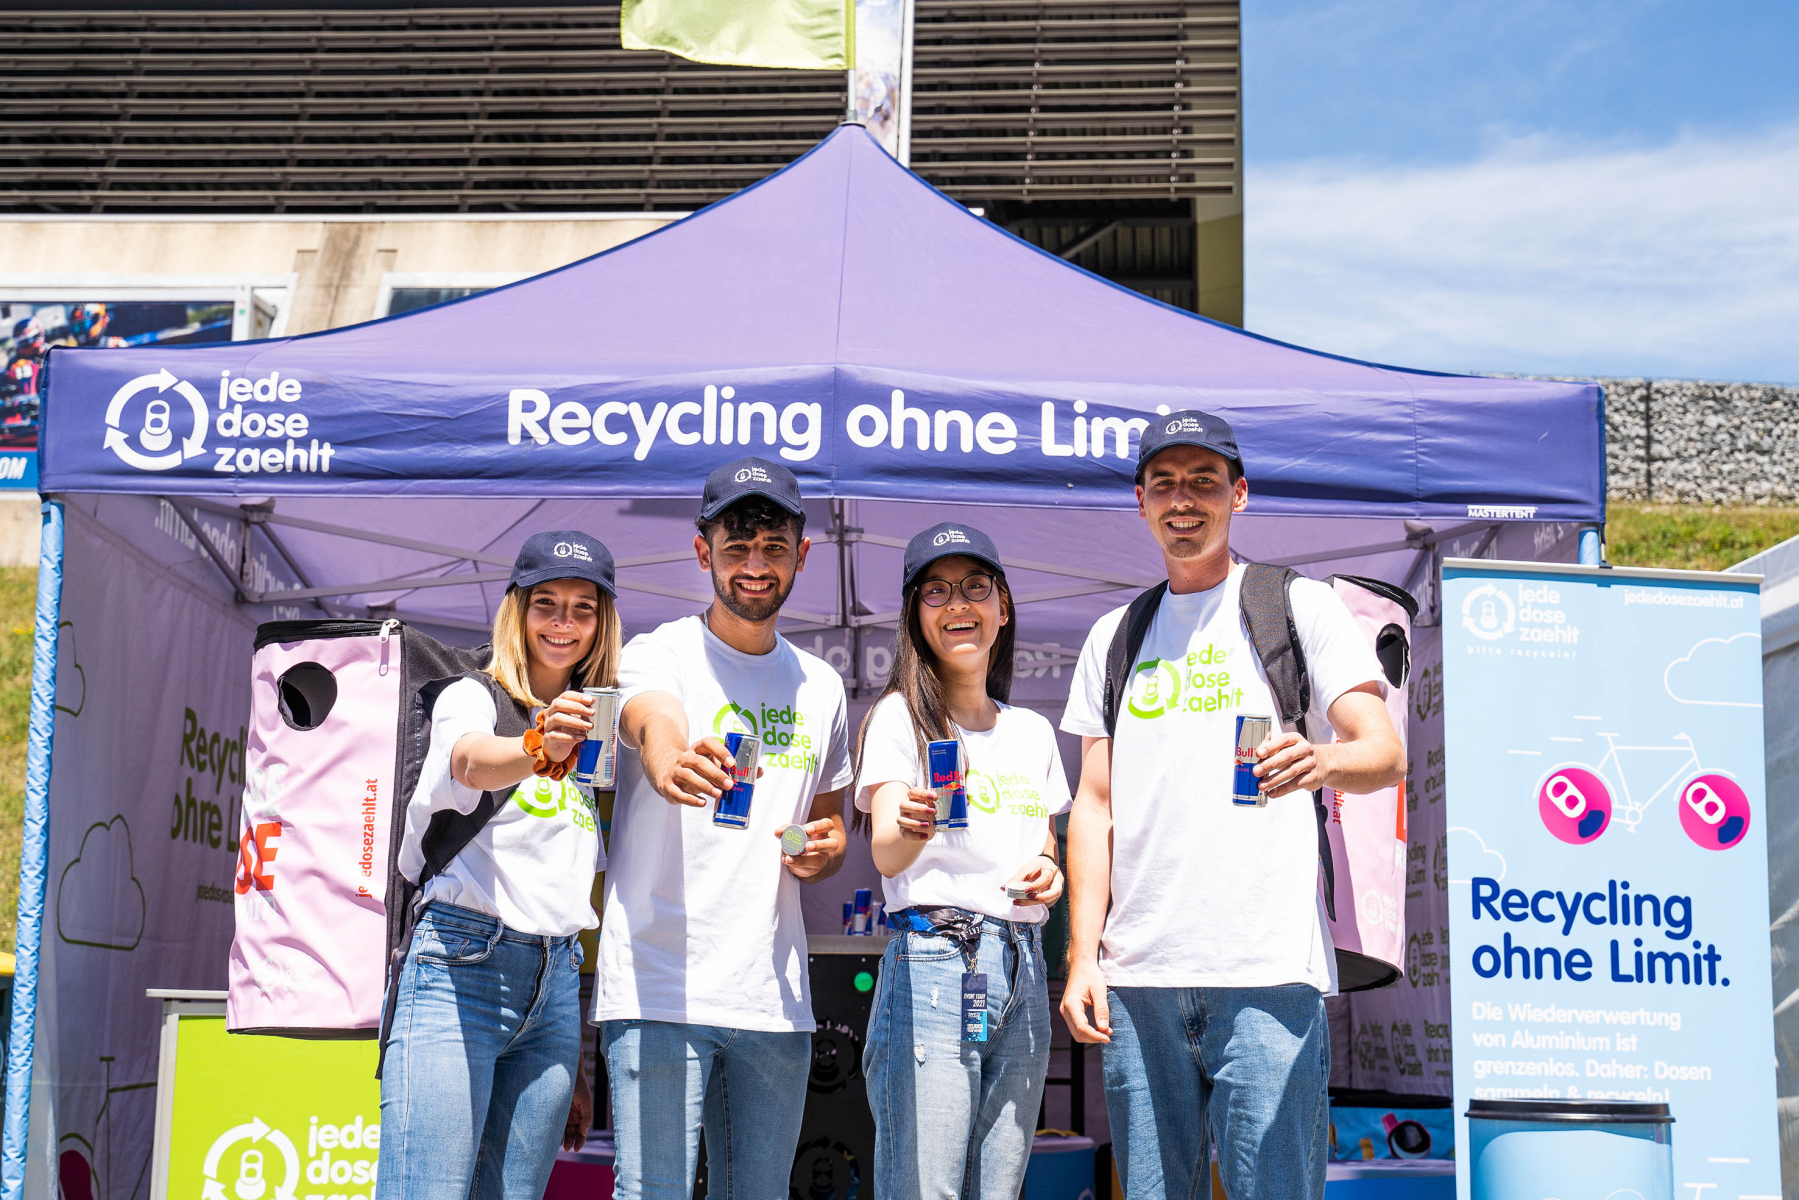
<point>1246,789</point>
<point>947,780</point>
<point>733,809</point>
<point>596,762</point>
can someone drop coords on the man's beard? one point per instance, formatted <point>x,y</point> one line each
<point>755,611</point>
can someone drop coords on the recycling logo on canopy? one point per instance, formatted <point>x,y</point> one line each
<point>156,435</point>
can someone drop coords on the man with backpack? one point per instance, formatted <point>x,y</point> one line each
<point>701,988</point>
<point>1199,951</point>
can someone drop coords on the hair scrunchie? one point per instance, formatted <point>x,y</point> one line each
<point>533,740</point>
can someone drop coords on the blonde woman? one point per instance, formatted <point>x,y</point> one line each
<point>482,1078</point>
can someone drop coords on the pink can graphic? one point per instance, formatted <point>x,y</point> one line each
<point>1575,804</point>
<point>1714,811</point>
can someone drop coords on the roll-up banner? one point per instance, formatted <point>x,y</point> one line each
<point>1608,875</point>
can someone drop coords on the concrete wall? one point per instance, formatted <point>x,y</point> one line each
<point>1680,441</point>
<point>321,273</point>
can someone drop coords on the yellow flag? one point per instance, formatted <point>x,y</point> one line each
<point>806,34</point>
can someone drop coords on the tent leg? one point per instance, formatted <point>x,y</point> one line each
<point>1591,546</point>
<point>33,854</point>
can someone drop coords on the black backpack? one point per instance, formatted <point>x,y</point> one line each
<point>1268,613</point>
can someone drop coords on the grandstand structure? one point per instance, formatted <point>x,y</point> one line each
<point>1105,131</point>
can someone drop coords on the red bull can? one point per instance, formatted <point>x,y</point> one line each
<point>733,809</point>
<point>859,915</point>
<point>947,771</point>
<point>849,917</point>
<point>596,762</point>
<point>1246,789</point>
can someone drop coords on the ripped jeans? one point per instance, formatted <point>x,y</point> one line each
<point>956,1119</point>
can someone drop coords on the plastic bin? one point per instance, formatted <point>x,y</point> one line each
<point>1061,1168</point>
<point>1572,1149</point>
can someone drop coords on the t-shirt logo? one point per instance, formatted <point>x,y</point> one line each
<point>982,794</point>
<point>1201,683</point>
<point>1012,792</point>
<point>548,798</point>
<point>786,742</point>
<point>1155,689</point>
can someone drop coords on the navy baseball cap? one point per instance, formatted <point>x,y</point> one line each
<point>1189,427</point>
<point>563,554</point>
<point>941,541</point>
<point>750,477</point>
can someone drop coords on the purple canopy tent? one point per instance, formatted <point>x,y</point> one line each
<point>906,358</point>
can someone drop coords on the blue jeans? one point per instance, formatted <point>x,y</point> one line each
<point>1247,1065</point>
<point>745,1087</point>
<point>956,1119</point>
<point>481,1064</point>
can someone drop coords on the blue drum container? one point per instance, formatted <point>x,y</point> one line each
<point>1571,1149</point>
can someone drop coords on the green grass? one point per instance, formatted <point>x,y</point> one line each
<point>18,604</point>
<point>1701,539</point>
<point>1692,538</point>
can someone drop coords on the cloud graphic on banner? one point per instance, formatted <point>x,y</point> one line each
<point>1469,856</point>
<point>99,901</point>
<point>1715,671</point>
<point>71,680</point>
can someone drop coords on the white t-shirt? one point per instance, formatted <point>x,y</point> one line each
<point>1015,785</point>
<point>702,922</point>
<point>1204,893</point>
<point>532,864</point>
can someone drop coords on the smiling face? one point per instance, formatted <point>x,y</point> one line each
<point>1187,497</point>
<point>753,571</point>
<point>960,632</point>
<point>562,618</point>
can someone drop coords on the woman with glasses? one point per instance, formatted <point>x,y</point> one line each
<point>958,1039</point>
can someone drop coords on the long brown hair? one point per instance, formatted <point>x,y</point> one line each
<point>914,677</point>
<point>511,663</point>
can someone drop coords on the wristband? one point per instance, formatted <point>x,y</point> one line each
<point>533,740</point>
<point>1052,861</point>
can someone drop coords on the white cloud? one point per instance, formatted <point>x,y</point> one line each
<point>1717,671</point>
<point>1540,257</point>
<point>1471,858</point>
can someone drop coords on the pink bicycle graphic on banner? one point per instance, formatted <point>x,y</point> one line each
<point>1578,802</point>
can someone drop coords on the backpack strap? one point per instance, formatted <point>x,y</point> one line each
<point>1127,640</point>
<point>445,837</point>
<point>1267,604</point>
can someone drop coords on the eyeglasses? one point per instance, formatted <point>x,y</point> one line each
<point>974,589</point>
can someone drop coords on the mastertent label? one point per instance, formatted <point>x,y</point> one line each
<point>1608,893</point>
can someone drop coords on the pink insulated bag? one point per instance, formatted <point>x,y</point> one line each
<point>1367,832</point>
<point>335,730</point>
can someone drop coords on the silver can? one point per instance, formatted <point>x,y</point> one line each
<point>596,764</point>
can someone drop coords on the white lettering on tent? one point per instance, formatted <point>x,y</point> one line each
<point>798,427</point>
<point>519,420</point>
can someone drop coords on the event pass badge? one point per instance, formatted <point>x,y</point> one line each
<point>974,1007</point>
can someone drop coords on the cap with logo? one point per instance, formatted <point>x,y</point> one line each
<point>563,554</point>
<point>1189,427</point>
<point>750,477</point>
<point>941,541</point>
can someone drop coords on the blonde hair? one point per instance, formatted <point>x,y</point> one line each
<point>511,663</point>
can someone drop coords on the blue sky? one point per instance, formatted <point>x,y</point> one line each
<point>1609,186</point>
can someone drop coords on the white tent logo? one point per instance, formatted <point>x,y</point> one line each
<point>156,434</point>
